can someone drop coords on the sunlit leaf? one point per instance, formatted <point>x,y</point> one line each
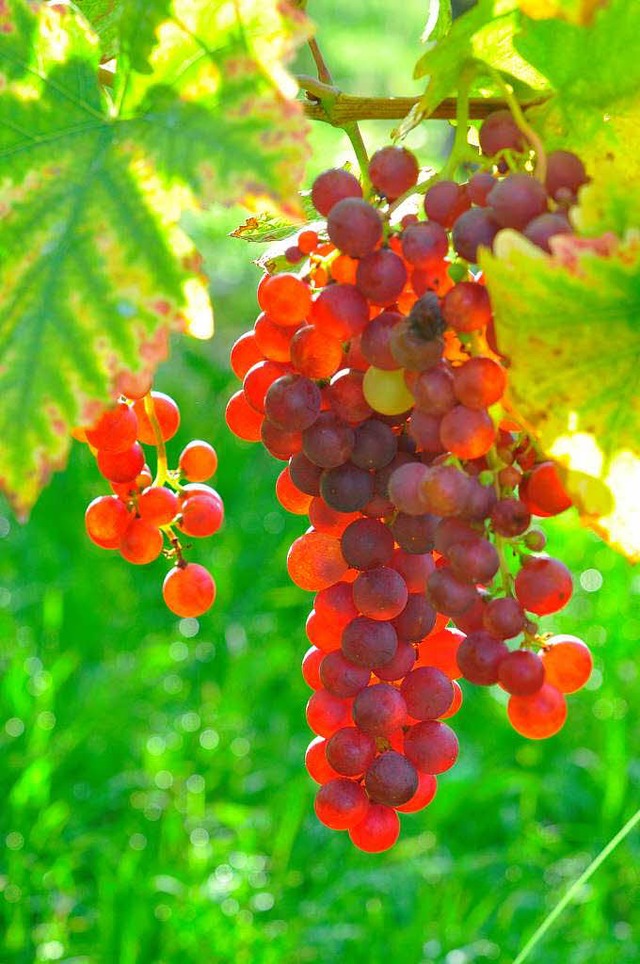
<point>93,268</point>
<point>569,325</point>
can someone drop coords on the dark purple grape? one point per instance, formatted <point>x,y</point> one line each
<point>381,276</point>
<point>305,475</point>
<point>521,672</point>
<point>473,230</point>
<point>504,617</point>
<point>414,533</point>
<point>375,445</point>
<point>380,593</point>
<point>448,594</point>
<point>416,620</point>
<point>347,487</point>
<point>405,488</point>
<point>333,186</point>
<point>516,200</point>
<point>367,544</point>
<point>510,518</point>
<point>341,677</point>
<point>428,693</point>
<point>391,779</point>
<point>355,227</point>
<point>350,751</point>
<point>379,709</point>
<point>474,561</point>
<point>479,656</point>
<point>368,642</point>
<point>293,402</point>
<point>329,441</point>
<point>399,665</point>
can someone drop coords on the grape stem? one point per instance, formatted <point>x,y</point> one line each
<point>162,468</point>
<point>521,122</point>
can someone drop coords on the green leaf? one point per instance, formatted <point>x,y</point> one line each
<point>569,326</point>
<point>104,17</point>
<point>265,227</point>
<point>438,22</point>
<point>595,71</point>
<point>139,22</point>
<point>93,268</point>
<point>575,11</point>
<point>485,34</point>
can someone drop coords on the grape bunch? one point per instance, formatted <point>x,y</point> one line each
<point>145,517</point>
<point>374,374</point>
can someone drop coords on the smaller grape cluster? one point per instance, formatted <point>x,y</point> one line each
<point>375,374</point>
<point>146,517</point>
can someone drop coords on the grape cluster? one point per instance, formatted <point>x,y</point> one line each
<point>143,517</point>
<point>374,374</point>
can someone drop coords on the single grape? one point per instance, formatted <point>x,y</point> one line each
<point>543,585</point>
<point>106,521</point>
<point>521,672</point>
<point>350,751</point>
<point>115,430</point>
<point>332,186</point>
<point>189,590</point>
<point>479,656</point>
<point>368,643</point>
<point>381,276</point>
<point>377,831</point>
<point>567,663</point>
<point>341,677</point>
<point>516,200</point>
<point>354,226</point>
<point>391,779</point>
<point>428,693</point>
<point>341,804</point>
<point>379,709</point>
<point>540,715</point>
<point>167,415</point>
<point>499,132</point>
<point>445,202</point>
<point>431,746</point>
<point>393,170</point>
<point>315,760</point>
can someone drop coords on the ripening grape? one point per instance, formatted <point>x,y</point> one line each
<point>540,715</point>
<point>543,585</point>
<point>201,514</point>
<point>189,590</point>
<point>327,713</point>
<point>565,171</point>
<point>567,663</point>
<point>198,461</point>
<point>381,276</point>
<point>350,751</point>
<point>315,561</point>
<point>445,202</point>
<point>427,786</point>
<point>341,677</point>
<point>473,230</point>
<point>115,430</point>
<point>380,593</point>
<point>167,415</point>
<point>431,746</point>
<point>379,709</point>
<point>466,307</point>
<point>157,506</point>
<point>315,353</point>
<point>516,200</point>
<point>428,693</point>
<point>121,466</point>
<point>377,831</point>
<point>424,244</point>
<point>369,643</point>
<point>315,760</point>
<point>141,543</point>
<point>467,432</point>
<point>479,656</point>
<point>441,650</point>
<point>106,520</point>
<point>285,299</point>
<point>341,804</point>
<point>243,420</point>
<point>386,391</point>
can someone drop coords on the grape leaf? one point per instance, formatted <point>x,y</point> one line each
<point>265,227</point>
<point>485,33</point>
<point>93,267</point>
<point>568,324</point>
<point>104,17</point>
<point>595,71</point>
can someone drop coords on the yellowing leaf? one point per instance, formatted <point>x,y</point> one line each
<point>575,11</point>
<point>569,326</point>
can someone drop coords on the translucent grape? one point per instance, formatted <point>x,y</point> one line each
<point>189,590</point>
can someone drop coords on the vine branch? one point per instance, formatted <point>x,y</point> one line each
<point>329,104</point>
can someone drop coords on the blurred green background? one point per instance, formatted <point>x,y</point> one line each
<point>156,807</point>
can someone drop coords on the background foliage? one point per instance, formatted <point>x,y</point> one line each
<point>156,806</point>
